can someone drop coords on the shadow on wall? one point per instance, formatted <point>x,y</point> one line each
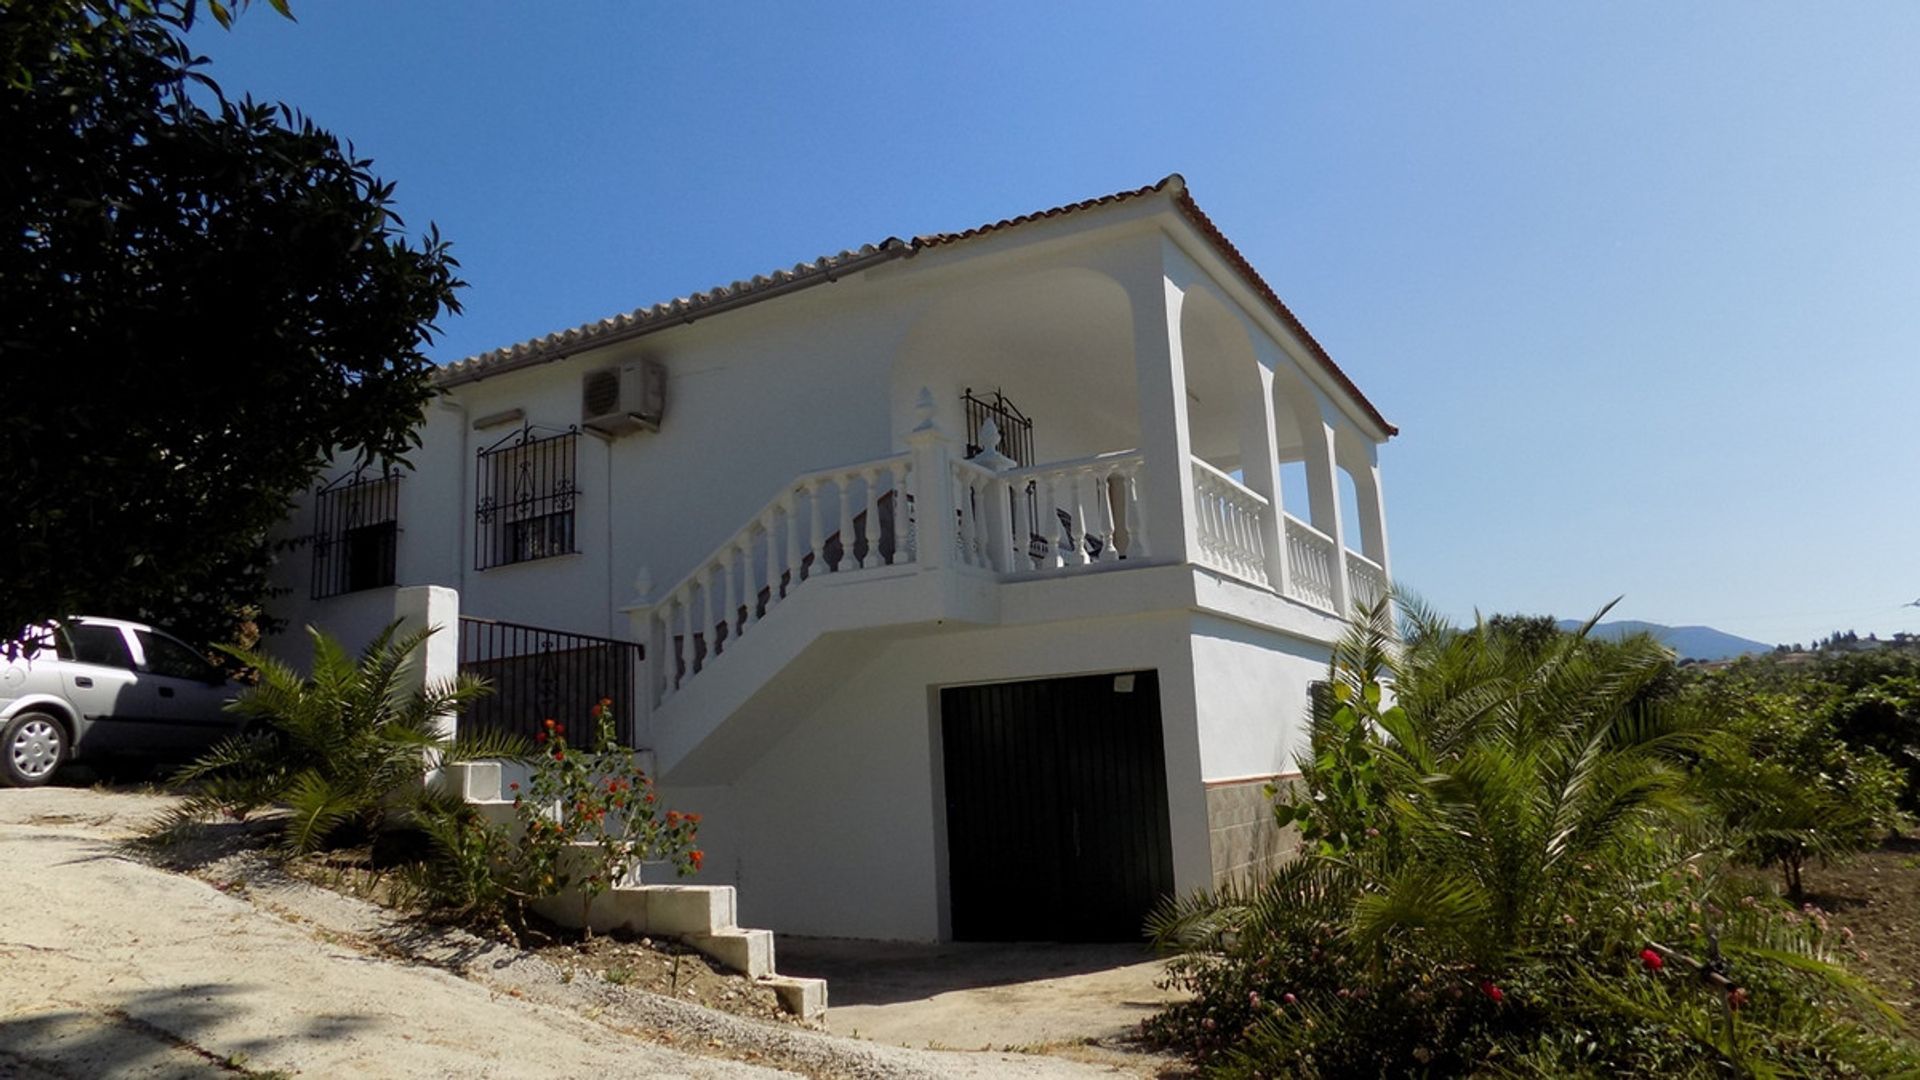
<point>153,1032</point>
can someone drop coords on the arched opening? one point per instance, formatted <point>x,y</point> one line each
<point>1225,406</point>
<point>1058,344</point>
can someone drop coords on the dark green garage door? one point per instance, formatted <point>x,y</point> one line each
<point>1056,808</point>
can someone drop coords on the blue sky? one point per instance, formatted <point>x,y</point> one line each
<point>1639,282</point>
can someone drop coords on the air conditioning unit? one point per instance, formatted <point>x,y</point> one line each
<point>621,400</point>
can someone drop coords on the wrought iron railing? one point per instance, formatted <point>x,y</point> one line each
<point>1016,429</point>
<point>356,533</point>
<point>539,674</point>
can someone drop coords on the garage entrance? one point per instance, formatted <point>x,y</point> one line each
<point>1056,795</point>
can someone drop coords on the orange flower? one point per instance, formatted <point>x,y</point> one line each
<point>696,856</point>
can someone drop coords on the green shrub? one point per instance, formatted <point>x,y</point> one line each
<point>345,750</point>
<point>1788,784</point>
<point>1542,837</point>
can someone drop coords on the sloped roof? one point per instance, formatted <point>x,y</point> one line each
<point>831,267</point>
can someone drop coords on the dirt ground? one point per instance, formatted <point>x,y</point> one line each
<point>1079,1001</point>
<point>1877,896</point>
<point>111,966</point>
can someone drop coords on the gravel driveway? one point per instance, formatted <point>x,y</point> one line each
<point>112,967</point>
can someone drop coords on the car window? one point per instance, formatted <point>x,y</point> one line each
<point>90,644</point>
<point>165,656</point>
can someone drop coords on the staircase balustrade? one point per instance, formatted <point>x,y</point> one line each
<point>781,548</point>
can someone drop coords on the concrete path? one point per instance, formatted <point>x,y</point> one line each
<point>110,967</point>
<point>114,968</point>
<point>978,996</point>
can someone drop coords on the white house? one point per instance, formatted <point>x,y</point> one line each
<point>968,603</point>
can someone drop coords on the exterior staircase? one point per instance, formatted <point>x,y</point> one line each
<point>703,916</point>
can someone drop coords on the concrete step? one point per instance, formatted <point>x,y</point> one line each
<point>749,952</point>
<point>804,998</point>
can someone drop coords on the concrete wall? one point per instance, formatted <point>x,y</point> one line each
<point>837,830</point>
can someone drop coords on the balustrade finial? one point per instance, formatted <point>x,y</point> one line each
<point>643,586</point>
<point>923,407</point>
<point>990,456</point>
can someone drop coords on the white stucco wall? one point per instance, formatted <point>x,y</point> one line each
<point>837,830</point>
<point>1252,697</point>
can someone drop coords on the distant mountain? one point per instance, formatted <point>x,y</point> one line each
<point>1691,642</point>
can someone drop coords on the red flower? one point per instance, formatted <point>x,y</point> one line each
<point>1653,960</point>
<point>696,856</point>
<point>1493,992</point>
<point>515,786</point>
<point>559,755</point>
<point>549,723</point>
<point>1737,997</point>
<point>539,736</point>
<point>673,817</point>
<point>649,796</point>
<point>695,818</point>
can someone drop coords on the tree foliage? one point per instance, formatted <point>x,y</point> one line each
<point>200,299</point>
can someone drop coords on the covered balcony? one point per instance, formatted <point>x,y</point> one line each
<point>1060,423</point>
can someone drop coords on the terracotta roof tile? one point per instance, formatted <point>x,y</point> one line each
<point>830,267</point>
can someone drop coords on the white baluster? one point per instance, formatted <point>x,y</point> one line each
<point>816,536</point>
<point>790,504</point>
<point>773,559</point>
<point>1021,560</point>
<point>844,483</point>
<point>904,515</point>
<point>1137,510</point>
<point>1103,494</point>
<point>1074,536</point>
<point>746,579</point>
<point>679,642</point>
<point>706,626</point>
<point>897,512</point>
<point>871,478</point>
<point>733,599</point>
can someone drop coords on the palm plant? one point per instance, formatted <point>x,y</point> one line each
<point>1503,819</point>
<point>345,749</point>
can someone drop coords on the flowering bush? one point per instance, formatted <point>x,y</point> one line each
<point>589,818</point>
<point>586,820</point>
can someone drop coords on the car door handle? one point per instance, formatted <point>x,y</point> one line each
<point>82,680</point>
<point>166,691</point>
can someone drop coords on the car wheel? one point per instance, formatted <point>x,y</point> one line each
<point>33,746</point>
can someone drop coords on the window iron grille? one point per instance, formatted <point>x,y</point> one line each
<point>526,491</point>
<point>356,534</point>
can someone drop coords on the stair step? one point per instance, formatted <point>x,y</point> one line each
<point>749,952</point>
<point>804,998</point>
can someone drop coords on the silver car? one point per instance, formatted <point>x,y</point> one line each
<point>105,689</point>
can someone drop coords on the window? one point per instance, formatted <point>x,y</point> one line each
<point>91,643</point>
<point>356,536</point>
<point>524,498</point>
<point>166,656</point>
